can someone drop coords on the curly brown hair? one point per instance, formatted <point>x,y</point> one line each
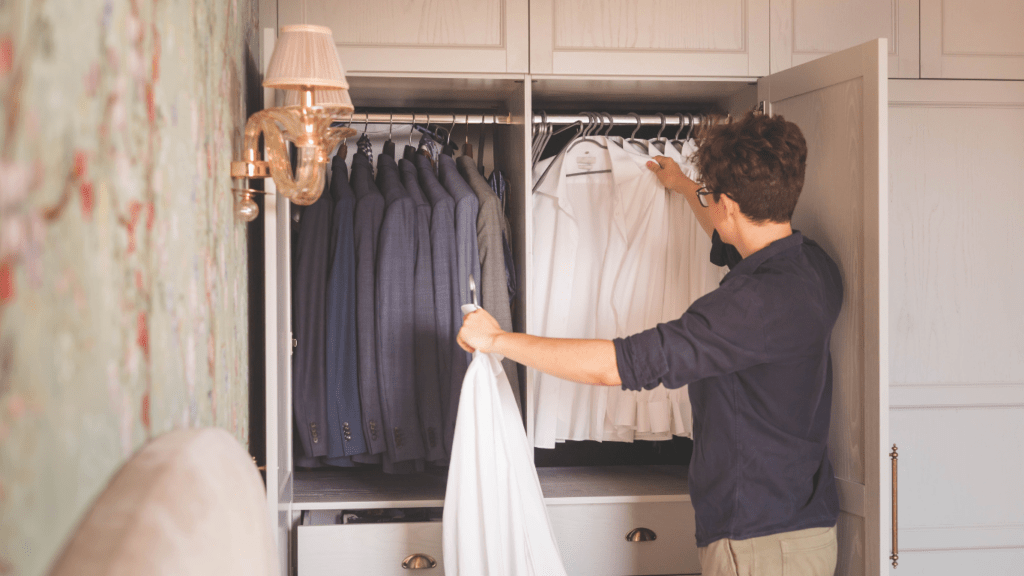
<point>758,161</point>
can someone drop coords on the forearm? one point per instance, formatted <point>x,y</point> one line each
<point>688,188</point>
<point>584,361</point>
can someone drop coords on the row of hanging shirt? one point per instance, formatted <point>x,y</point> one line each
<point>615,253</point>
<point>382,265</point>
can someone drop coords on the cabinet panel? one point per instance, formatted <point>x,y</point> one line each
<point>421,35</point>
<point>802,30</point>
<point>972,39</point>
<point>649,37</point>
<point>957,315</point>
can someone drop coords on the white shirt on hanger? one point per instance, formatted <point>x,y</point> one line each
<point>614,254</point>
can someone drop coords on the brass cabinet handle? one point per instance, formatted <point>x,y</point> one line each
<point>641,535</point>
<point>894,455</point>
<point>419,562</point>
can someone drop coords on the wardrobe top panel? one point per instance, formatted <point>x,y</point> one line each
<point>442,93</point>
<point>637,94</point>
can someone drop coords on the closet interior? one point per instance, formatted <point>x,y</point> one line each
<point>598,492</point>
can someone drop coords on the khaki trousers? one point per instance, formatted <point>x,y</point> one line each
<point>810,552</point>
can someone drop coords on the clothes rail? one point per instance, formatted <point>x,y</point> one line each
<point>423,117</point>
<point>670,119</point>
<point>673,119</point>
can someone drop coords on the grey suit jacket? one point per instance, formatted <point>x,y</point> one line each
<point>369,213</point>
<point>396,317</point>
<point>428,374</point>
<point>447,299</point>
<point>467,208</point>
<point>490,230</point>
<point>312,248</point>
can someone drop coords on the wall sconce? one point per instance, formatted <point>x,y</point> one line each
<point>305,63</point>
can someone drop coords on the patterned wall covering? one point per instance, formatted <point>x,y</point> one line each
<point>123,287</point>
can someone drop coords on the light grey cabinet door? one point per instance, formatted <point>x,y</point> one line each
<point>649,37</point>
<point>277,337</point>
<point>440,36</point>
<point>957,324</point>
<point>978,39</point>
<point>803,30</point>
<point>839,102</point>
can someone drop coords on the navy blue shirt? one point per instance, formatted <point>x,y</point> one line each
<point>755,353</point>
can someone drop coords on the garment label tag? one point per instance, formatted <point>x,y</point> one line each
<point>586,162</point>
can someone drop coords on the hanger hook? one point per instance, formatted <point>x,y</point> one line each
<point>412,128</point>
<point>682,124</point>
<point>664,122</point>
<point>366,123</point>
<point>448,139</point>
<point>611,124</point>
<point>391,121</point>
<point>467,132</point>
<point>637,129</point>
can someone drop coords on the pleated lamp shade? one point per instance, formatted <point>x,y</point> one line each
<point>305,55</point>
<point>337,99</point>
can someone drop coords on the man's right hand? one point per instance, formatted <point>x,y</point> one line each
<point>670,175</point>
<point>672,178</point>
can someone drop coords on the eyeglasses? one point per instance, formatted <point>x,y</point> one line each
<point>701,193</point>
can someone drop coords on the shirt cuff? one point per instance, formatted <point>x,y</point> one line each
<point>641,360</point>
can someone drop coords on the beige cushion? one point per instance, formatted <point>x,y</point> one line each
<point>190,502</point>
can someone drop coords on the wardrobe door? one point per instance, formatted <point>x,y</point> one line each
<point>839,102</point>
<point>649,37</point>
<point>957,318</point>
<point>277,338</point>
<point>979,39</point>
<point>803,30</point>
<point>455,36</point>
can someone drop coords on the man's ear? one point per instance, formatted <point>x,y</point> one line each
<point>732,209</point>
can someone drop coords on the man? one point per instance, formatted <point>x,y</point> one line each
<point>755,353</point>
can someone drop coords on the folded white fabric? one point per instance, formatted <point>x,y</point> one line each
<point>495,521</point>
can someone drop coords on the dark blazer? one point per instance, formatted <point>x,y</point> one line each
<point>369,212</point>
<point>309,286</point>
<point>345,436</point>
<point>428,376</point>
<point>396,320</point>
<point>493,284</point>
<point>447,301</point>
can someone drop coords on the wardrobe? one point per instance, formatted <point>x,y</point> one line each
<point>511,59</point>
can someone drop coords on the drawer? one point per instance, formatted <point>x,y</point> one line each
<point>377,549</point>
<point>592,538</point>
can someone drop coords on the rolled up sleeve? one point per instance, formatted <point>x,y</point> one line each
<point>719,334</point>
<point>641,360</point>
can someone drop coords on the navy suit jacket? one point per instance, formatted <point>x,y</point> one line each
<point>312,245</point>
<point>345,436</point>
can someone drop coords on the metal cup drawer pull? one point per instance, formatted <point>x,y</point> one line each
<point>641,535</point>
<point>419,562</point>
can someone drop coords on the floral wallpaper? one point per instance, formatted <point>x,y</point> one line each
<point>123,279</point>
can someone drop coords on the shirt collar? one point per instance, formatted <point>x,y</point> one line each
<point>626,164</point>
<point>749,264</point>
